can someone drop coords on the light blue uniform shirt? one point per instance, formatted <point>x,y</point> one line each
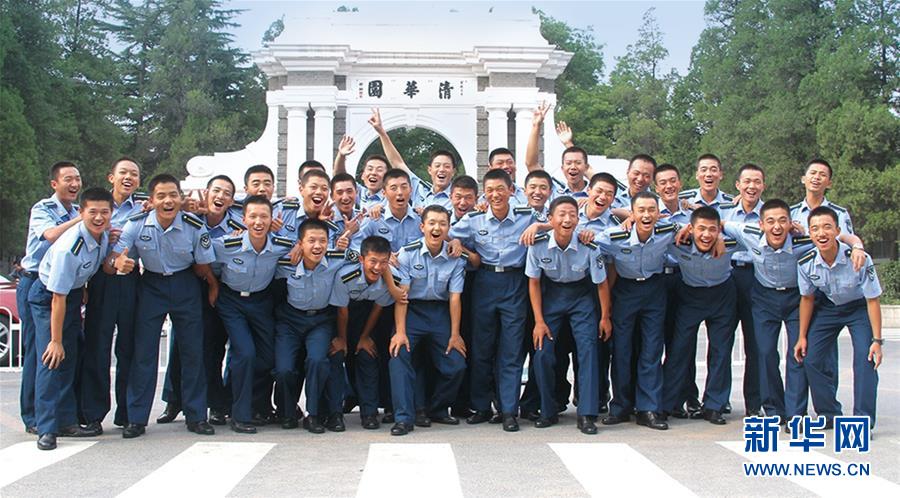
<point>495,240</point>
<point>287,210</point>
<point>338,220</point>
<point>229,224</point>
<point>634,259</point>
<point>423,194</point>
<point>398,232</point>
<point>350,284</point>
<point>310,290</point>
<point>681,217</point>
<point>559,188</point>
<point>774,268</point>
<point>334,231</point>
<point>721,202</point>
<point>365,200</point>
<point>243,269</point>
<point>699,269</point>
<point>598,224</point>
<point>430,278</point>
<point>72,260</point>
<point>840,282</point>
<point>572,263</point>
<point>184,243</point>
<point>800,214</point>
<point>517,198</point>
<point>131,206</point>
<point>45,215</point>
<point>737,213</point>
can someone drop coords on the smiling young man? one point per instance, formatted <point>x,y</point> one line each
<point>170,244</point>
<point>49,219</point>
<point>709,175</point>
<point>503,159</point>
<point>260,180</point>
<point>55,300</point>
<point>574,165</point>
<point>400,225</point>
<point>817,180</point>
<point>835,295</point>
<point>567,278</point>
<point>639,174</point>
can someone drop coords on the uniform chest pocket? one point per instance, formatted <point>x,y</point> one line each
<point>418,273</point>
<point>182,247</point>
<point>237,268</point>
<point>297,282</point>
<point>146,242</point>
<point>443,276</point>
<point>580,266</point>
<point>846,280</point>
<point>483,237</point>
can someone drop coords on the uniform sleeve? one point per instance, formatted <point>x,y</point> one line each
<point>733,229</point>
<point>63,265</point>
<point>462,230</point>
<point>532,268</point>
<point>804,283</point>
<point>284,271</point>
<point>340,297</point>
<point>603,241</point>
<point>385,299</point>
<point>458,277</point>
<point>41,220</point>
<point>218,245</point>
<point>871,287</point>
<point>289,217</point>
<point>366,228</point>
<point>598,266</point>
<point>846,223</point>
<point>203,251</point>
<point>402,270</point>
<point>129,234</point>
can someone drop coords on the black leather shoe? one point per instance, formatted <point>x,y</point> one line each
<point>680,412</point>
<point>216,417</point>
<point>615,419</point>
<point>461,412</point>
<point>529,415</point>
<point>242,428</point>
<point>651,420</point>
<point>543,423</point>
<point>714,417</point>
<point>697,415</point>
<point>755,413</point>
<point>694,405</point>
<point>95,427</point>
<point>31,430</point>
<point>47,442</point>
<point>402,429</point>
<point>132,431</point>
<point>586,425</point>
<point>727,408</point>
<point>370,422</point>
<point>496,419</point>
<point>313,425</point>
<point>422,419</point>
<point>261,419</point>
<point>169,414</point>
<point>388,418</point>
<point>202,427</point>
<point>510,424</point>
<point>349,405</point>
<point>335,423</point>
<point>479,417</point>
<point>444,420</point>
<point>289,423</point>
<point>79,431</point>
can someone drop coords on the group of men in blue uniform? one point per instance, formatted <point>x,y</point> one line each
<point>423,299</point>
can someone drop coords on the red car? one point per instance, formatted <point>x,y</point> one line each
<point>9,315</point>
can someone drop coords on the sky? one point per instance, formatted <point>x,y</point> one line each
<point>613,23</point>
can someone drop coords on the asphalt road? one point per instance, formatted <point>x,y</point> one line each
<point>692,458</point>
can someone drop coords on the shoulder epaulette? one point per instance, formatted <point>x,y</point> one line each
<point>558,182</point>
<point>729,242</point>
<point>796,206</point>
<point>523,210</point>
<point>752,230</point>
<point>837,208</point>
<point>191,220</point>
<point>233,242</point>
<point>284,261</point>
<point>668,227</point>
<point>235,225</point>
<point>138,216</point>
<point>464,256</point>
<point>49,203</point>
<point>728,197</point>
<point>472,214</point>
<point>282,241</point>
<point>542,237</point>
<point>686,193</point>
<point>351,275</point>
<point>413,245</point>
<point>79,243</point>
<point>808,256</point>
<point>237,204</point>
<point>615,219</point>
<point>290,205</point>
<point>332,226</point>
<point>801,239</point>
<point>619,235</point>
<point>396,279</point>
<point>620,185</point>
<point>336,253</point>
<point>723,206</point>
<point>591,244</point>
<point>425,184</point>
<point>141,196</point>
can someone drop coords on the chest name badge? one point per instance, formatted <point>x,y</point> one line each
<point>419,266</point>
<point>756,251</point>
<point>626,251</point>
<point>146,237</point>
<point>546,260</point>
<point>238,261</point>
<point>482,232</point>
<point>813,277</point>
<point>384,230</point>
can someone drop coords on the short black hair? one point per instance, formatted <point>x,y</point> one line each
<point>435,208</point>
<point>642,157</point>
<point>563,199</point>
<point>54,170</point>
<point>258,168</point>
<point>395,173</point>
<point>705,213</point>
<point>464,182</point>
<point>498,174</point>
<point>498,151</point>
<point>577,150</point>
<point>605,178</point>
<point>823,211</point>
<point>162,178</point>
<point>314,173</point>
<point>751,167</point>
<point>712,157</point>
<point>375,244</point>
<point>643,194</point>
<point>819,160</point>
<point>224,178</point>
<point>443,152</point>
<point>309,164</point>
<point>257,199</point>
<point>342,177</point>
<point>377,157</point>
<point>97,194</point>
<point>775,204</point>
<point>311,224</point>
<point>124,158</point>
<point>539,173</point>
<point>666,167</point>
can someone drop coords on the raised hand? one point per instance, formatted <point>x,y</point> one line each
<point>347,145</point>
<point>540,112</point>
<point>375,120</point>
<point>564,133</point>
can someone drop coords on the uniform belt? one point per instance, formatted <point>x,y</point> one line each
<point>243,293</point>
<point>741,264</point>
<point>30,274</point>
<point>501,269</point>
<point>783,289</point>
<point>312,312</point>
<point>641,279</point>
<point>670,270</point>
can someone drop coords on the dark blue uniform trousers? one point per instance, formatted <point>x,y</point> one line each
<point>716,306</point>
<point>745,279</point>
<point>498,328</point>
<point>639,307</point>
<point>179,296</point>
<point>771,308</point>
<point>821,367</point>
<point>673,281</point>
<point>110,309</point>
<point>362,368</point>
<point>29,356</point>
<point>215,338</point>
<point>426,319</point>
<point>312,331</point>
<point>461,405</point>
<point>575,303</point>
<point>250,324</point>
<point>54,403</point>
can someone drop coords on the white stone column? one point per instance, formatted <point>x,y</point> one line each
<point>523,129</point>
<point>323,146</point>
<point>296,148</point>
<point>552,146</point>
<point>497,127</point>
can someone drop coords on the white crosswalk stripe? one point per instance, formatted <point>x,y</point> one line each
<point>21,459</point>
<point>822,485</point>
<point>400,470</point>
<point>604,468</point>
<point>204,469</point>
